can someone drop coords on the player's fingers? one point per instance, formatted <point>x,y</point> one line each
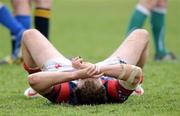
<point>74,59</point>
<point>98,75</point>
<point>79,56</point>
<point>95,71</point>
<point>80,60</point>
<point>91,69</point>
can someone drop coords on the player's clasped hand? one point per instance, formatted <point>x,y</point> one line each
<point>93,71</point>
<point>77,62</point>
<point>88,70</point>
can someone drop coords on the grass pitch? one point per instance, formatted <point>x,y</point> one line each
<point>93,29</point>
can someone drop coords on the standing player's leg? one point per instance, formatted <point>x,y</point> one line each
<point>141,11</point>
<point>16,29</point>
<point>42,16</point>
<point>158,15</point>
<point>22,12</point>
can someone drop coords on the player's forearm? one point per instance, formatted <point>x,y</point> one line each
<point>112,70</point>
<point>41,81</point>
<point>58,77</point>
<point>52,77</point>
<point>133,75</point>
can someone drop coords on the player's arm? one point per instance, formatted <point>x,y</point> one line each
<point>118,71</point>
<point>108,70</point>
<point>60,77</point>
<point>126,72</point>
<point>113,70</point>
<point>41,81</point>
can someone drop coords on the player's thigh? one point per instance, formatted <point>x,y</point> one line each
<point>132,48</point>
<point>39,47</point>
<point>21,7</point>
<point>149,4</point>
<point>43,3</point>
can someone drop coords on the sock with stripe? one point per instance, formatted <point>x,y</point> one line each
<point>158,29</point>
<point>138,18</point>
<point>41,20</point>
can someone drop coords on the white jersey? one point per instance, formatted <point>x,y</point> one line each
<point>64,65</point>
<point>58,64</point>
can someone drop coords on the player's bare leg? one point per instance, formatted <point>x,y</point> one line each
<point>36,51</point>
<point>21,7</point>
<point>43,3</point>
<point>38,47</point>
<point>136,44</point>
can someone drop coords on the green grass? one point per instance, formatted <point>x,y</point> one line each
<point>93,29</point>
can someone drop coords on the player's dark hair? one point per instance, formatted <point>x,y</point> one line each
<point>90,94</point>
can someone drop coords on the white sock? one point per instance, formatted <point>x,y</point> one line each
<point>143,9</point>
<point>160,10</point>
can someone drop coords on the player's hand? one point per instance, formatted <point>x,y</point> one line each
<point>77,62</point>
<point>92,71</point>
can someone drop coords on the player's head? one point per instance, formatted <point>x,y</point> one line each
<point>90,91</point>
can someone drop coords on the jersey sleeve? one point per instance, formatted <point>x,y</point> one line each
<point>60,93</point>
<point>117,93</point>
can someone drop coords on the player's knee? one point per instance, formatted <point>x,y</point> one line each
<point>32,79</point>
<point>28,33</point>
<point>143,35</point>
<point>141,32</point>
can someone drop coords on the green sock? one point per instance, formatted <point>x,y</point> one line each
<point>138,18</point>
<point>158,29</point>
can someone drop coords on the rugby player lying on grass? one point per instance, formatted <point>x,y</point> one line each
<point>77,82</point>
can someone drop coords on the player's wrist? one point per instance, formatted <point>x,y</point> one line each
<point>79,74</point>
<point>98,69</point>
<point>75,75</point>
